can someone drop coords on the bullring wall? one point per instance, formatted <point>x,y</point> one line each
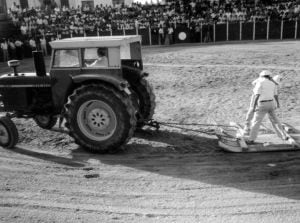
<point>270,30</point>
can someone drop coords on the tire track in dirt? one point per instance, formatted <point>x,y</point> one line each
<point>161,187</point>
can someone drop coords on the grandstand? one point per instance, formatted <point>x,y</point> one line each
<point>68,3</point>
<point>157,21</point>
<point>6,27</point>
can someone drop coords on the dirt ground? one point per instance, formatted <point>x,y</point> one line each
<point>170,175</point>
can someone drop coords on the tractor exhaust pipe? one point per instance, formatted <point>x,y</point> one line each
<point>39,63</point>
<point>14,64</point>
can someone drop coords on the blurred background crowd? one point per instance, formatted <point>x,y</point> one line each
<point>37,26</point>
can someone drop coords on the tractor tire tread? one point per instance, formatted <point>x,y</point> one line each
<point>144,90</point>
<point>105,91</point>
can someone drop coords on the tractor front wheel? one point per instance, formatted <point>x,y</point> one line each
<point>8,133</point>
<point>100,118</point>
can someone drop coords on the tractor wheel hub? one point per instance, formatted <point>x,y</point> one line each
<point>98,119</point>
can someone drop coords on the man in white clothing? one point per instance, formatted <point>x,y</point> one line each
<point>44,46</point>
<point>250,112</point>
<point>266,92</point>
<point>32,44</point>
<point>4,47</point>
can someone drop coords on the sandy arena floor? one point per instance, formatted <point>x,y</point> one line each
<point>172,175</point>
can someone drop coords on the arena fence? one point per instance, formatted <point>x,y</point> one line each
<point>230,31</point>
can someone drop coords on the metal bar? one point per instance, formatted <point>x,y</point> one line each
<point>296,28</point>
<point>227,30</point>
<point>281,30</point>
<point>150,36</point>
<point>214,32</point>
<point>241,29</point>
<point>254,29</point>
<point>201,33</point>
<point>268,28</point>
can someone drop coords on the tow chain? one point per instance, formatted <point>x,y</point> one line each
<point>156,125</point>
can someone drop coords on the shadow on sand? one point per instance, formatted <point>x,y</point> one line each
<point>196,158</point>
<point>47,157</point>
<point>199,158</point>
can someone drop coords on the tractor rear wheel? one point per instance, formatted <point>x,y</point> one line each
<point>145,99</point>
<point>8,133</point>
<point>45,121</point>
<point>100,118</point>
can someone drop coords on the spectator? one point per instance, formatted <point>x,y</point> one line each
<point>206,31</point>
<point>161,34</point>
<point>197,33</point>
<point>19,49</point>
<point>44,45</point>
<point>27,49</point>
<point>11,49</point>
<point>24,29</point>
<point>170,34</point>
<point>4,47</point>
<point>32,44</point>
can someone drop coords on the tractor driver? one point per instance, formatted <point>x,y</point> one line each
<point>101,61</point>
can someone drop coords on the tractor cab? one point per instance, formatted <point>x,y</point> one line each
<point>115,60</point>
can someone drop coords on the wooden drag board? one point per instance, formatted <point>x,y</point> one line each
<point>233,141</point>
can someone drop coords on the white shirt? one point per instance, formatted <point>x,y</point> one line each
<point>4,46</point>
<point>43,41</point>
<point>32,43</point>
<point>266,89</point>
<point>18,43</point>
<point>255,82</point>
<point>23,29</point>
<point>12,45</point>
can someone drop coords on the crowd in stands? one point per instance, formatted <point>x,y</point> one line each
<point>36,23</point>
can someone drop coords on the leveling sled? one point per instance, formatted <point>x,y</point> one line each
<point>232,140</point>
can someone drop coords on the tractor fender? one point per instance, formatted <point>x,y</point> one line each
<point>133,74</point>
<point>117,82</point>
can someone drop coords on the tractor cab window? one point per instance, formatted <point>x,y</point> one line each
<point>66,58</point>
<point>135,51</point>
<point>95,57</point>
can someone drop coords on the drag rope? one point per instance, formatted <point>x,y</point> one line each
<point>157,124</point>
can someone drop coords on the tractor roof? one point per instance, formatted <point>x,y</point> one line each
<point>98,41</point>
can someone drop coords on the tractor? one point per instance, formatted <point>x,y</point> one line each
<point>96,87</point>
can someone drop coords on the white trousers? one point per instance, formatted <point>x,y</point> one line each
<point>264,108</point>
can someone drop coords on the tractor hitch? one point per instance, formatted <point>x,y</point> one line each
<point>152,123</point>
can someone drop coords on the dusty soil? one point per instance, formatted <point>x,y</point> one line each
<point>170,175</point>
